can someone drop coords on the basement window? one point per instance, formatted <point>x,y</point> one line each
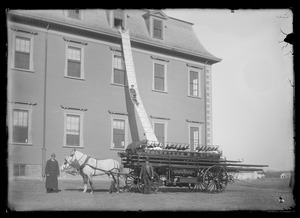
<point>19,170</point>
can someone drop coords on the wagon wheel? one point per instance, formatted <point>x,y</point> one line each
<point>215,179</point>
<point>154,184</point>
<point>199,186</point>
<point>133,182</point>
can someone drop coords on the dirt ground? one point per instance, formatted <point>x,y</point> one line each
<point>256,195</point>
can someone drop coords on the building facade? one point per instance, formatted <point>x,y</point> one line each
<point>67,85</point>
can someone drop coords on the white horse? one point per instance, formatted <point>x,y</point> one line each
<point>88,167</point>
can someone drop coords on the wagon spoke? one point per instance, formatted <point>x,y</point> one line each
<point>200,185</point>
<point>217,179</point>
<point>132,182</point>
<point>211,186</point>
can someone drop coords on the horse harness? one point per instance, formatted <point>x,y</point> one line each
<point>94,168</point>
<point>84,163</point>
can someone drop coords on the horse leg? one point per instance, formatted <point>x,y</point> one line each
<point>112,184</point>
<point>91,183</point>
<point>84,177</point>
<point>118,182</point>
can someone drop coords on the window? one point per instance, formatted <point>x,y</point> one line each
<point>119,19</point>
<point>159,77</point>
<point>73,135</point>
<point>19,169</point>
<point>74,62</point>
<point>74,14</point>
<point>119,72</point>
<point>20,126</point>
<point>73,130</point>
<point>194,83</point>
<point>194,137</point>
<point>118,133</point>
<point>157,29</point>
<point>74,58</point>
<point>22,53</point>
<point>159,131</point>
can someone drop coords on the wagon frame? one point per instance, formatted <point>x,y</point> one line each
<point>202,171</point>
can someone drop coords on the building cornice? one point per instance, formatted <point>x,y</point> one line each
<point>109,37</point>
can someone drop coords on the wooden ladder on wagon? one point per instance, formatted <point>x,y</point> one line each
<point>136,100</point>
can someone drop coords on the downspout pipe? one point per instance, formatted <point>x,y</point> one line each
<point>45,104</point>
<point>205,105</point>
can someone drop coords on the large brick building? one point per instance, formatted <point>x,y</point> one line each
<point>67,84</point>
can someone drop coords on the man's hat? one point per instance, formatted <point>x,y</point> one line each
<point>52,155</point>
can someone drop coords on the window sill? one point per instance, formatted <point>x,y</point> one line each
<point>117,149</point>
<point>165,92</point>
<point>24,70</point>
<point>155,37</point>
<point>197,97</point>
<point>19,143</point>
<point>77,18</point>
<point>76,78</point>
<point>116,84</point>
<point>71,146</point>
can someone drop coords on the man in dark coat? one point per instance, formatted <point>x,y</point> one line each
<point>147,174</point>
<point>133,94</point>
<point>51,173</point>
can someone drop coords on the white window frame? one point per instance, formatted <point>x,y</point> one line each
<point>112,69</point>
<point>31,39</point>
<point>199,126</point>
<point>118,117</point>
<point>165,76</point>
<point>152,28</point>
<point>165,125</point>
<point>81,47</point>
<point>21,107</point>
<point>81,117</point>
<point>200,72</point>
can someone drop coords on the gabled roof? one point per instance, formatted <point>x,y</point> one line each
<point>178,36</point>
<point>155,13</point>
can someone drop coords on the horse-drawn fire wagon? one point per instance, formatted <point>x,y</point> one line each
<point>202,170</point>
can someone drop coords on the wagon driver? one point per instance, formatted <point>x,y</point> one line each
<point>51,173</point>
<point>147,174</point>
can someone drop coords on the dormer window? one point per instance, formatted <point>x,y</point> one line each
<point>155,23</point>
<point>74,14</point>
<point>119,19</point>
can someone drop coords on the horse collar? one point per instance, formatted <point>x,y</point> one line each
<point>86,160</point>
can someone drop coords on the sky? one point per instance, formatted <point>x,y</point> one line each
<point>252,97</point>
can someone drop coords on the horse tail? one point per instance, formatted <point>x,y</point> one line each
<point>118,166</point>
<point>121,167</point>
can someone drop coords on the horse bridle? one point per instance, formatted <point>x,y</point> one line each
<point>70,168</point>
